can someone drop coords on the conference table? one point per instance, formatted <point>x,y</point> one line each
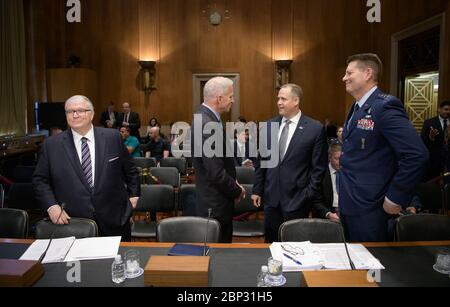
<point>408,264</point>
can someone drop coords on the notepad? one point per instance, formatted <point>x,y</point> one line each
<point>188,250</point>
<point>72,249</point>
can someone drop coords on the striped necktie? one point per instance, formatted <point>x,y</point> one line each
<point>86,164</point>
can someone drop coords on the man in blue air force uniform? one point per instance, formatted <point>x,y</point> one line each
<point>383,157</point>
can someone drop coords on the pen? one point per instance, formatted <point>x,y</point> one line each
<point>289,257</point>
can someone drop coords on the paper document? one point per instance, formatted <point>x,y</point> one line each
<point>305,256</point>
<point>336,257</point>
<point>71,249</point>
<point>297,256</point>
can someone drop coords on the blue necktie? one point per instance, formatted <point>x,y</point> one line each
<point>86,164</point>
<point>355,109</point>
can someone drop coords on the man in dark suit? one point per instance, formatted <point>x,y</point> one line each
<point>129,119</point>
<point>287,190</point>
<point>435,136</point>
<point>242,155</point>
<point>326,207</point>
<point>86,169</point>
<point>383,158</point>
<point>216,187</point>
<point>109,117</point>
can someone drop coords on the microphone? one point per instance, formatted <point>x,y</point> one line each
<point>206,233</point>
<point>352,265</point>
<point>63,205</point>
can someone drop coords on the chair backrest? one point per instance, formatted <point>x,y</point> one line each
<point>179,163</point>
<point>167,175</point>
<point>21,196</point>
<point>423,227</point>
<point>77,227</point>
<point>188,229</point>
<point>314,230</point>
<point>156,198</point>
<point>246,205</point>
<point>13,223</point>
<point>144,162</point>
<point>188,199</point>
<point>2,196</point>
<point>245,175</point>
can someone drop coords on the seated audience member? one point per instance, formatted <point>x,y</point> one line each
<point>242,150</point>
<point>327,205</point>
<point>129,119</point>
<point>157,147</point>
<point>338,139</point>
<point>331,129</point>
<point>131,142</point>
<point>109,117</point>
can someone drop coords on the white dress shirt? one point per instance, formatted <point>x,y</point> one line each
<point>333,183</point>
<point>91,143</point>
<point>292,128</point>
<point>441,120</point>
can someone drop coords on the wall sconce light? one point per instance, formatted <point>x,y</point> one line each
<point>282,73</point>
<point>148,75</point>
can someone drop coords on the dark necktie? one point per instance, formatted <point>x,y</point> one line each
<point>283,139</point>
<point>337,181</point>
<point>86,164</point>
<point>355,109</point>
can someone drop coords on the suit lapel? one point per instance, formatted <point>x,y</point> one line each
<point>100,149</point>
<point>72,154</point>
<point>299,130</point>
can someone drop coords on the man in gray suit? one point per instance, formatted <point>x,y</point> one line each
<point>216,186</point>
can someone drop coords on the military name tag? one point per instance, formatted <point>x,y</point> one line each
<point>366,124</point>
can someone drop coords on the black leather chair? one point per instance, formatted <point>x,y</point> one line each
<point>188,229</point>
<point>77,227</point>
<point>13,223</point>
<point>144,162</point>
<point>167,175</point>
<point>314,230</point>
<point>179,163</point>
<point>154,198</point>
<point>2,196</point>
<point>423,227</point>
<point>245,208</point>
<point>187,200</point>
<point>245,175</point>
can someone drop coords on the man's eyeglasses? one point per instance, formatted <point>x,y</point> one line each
<point>79,112</point>
<point>293,250</point>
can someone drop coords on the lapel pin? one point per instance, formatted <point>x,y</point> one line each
<point>301,127</point>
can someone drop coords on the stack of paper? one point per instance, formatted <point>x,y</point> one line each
<point>71,249</point>
<point>305,256</point>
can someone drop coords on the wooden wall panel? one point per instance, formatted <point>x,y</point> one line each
<point>115,34</point>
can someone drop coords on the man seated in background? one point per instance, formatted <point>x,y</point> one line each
<point>242,149</point>
<point>109,117</point>
<point>157,147</point>
<point>327,205</point>
<point>131,142</point>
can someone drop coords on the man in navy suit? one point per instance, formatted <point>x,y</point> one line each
<point>383,157</point>
<point>90,170</point>
<point>435,136</point>
<point>287,190</point>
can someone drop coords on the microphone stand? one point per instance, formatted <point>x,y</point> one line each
<point>63,205</point>
<point>205,253</point>
<point>352,265</point>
